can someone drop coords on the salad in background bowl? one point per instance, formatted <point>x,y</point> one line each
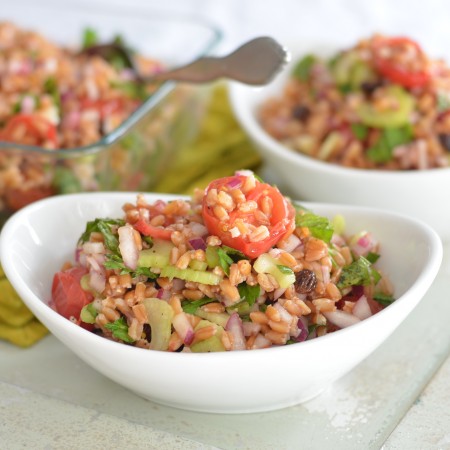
<point>138,304</point>
<point>364,125</point>
<point>72,122</point>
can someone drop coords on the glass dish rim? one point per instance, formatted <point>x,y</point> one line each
<point>151,102</point>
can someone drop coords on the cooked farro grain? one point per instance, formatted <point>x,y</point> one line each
<point>194,287</point>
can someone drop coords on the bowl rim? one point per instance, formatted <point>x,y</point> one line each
<point>153,15</point>
<point>245,105</point>
<point>42,310</point>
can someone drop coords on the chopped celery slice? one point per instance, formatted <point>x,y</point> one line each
<point>218,318</point>
<point>160,315</point>
<point>198,265</point>
<point>157,256</point>
<point>195,276</point>
<point>266,264</point>
<point>212,257</point>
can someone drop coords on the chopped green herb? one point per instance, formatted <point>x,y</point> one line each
<point>228,256</point>
<point>88,313</point>
<point>115,262</point>
<point>302,70</point>
<point>65,181</point>
<point>384,299</point>
<point>104,226</point>
<point>320,227</point>
<point>51,88</point>
<point>358,273</point>
<point>190,307</point>
<point>390,138</point>
<point>359,131</point>
<point>372,257</point>
<point>285,269</point>
<point>90,38</point>
<point>249,293</point>
<point>119,330</point>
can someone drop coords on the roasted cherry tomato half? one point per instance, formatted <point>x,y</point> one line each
<point>247,215</point>
<point>402,61</point>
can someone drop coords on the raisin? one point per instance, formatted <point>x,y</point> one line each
<point>369,87</point>
<point>305,281</point>
<point>444,139</point>
<point>301,112</point>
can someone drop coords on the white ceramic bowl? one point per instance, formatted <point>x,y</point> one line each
<point>37,240</point>
<point>421,194</point>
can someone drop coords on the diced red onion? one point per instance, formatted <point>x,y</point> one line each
<point>277,293</point>
<point>197,243</point>
<point>291,243</point>
<point>163,294</point>
<point>338,240</point>
<point>77,254</point>
<point>234,183</point>
<point>198,229</point>
<point>97,280</point>
<point>128,247</point>
<point>284,315</point>
<point>178,285</point>
<point>93,247</point>
<point>362,308</point>
<point>236,331</point>
<point>251,328</point>
<point>27,105</point>
<point>93,263</point>
<point>341,319</point>
<point>261,342</point>
<point>244,173</point>
<point>183,327</point>
<point>274,252</point>
<point>302,325</point>
<point>72,120</point>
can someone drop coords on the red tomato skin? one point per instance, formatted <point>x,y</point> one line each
<point>396,73</point>
<point>282,220</point>
<point>149,230</point>
<point>67,294</point>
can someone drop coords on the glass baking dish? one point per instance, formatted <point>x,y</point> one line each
<point>135,154</point>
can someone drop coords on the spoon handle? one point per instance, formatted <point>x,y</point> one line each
<point>255,63</point>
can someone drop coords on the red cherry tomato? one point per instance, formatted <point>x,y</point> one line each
<point>150,230</point>
<point>37,130</point>
<point>279,223</point>
<point>67,294</point>
<point>386,50</point>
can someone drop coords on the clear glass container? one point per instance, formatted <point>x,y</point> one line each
<point>134,155</point>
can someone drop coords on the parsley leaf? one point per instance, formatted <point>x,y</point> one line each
<point>249,293</point>
<point>228,256</point>
<point>320,227</point>
<point>190,307</point>
<point>373,257</point>
<point>119,330</point>
<point>90,38</point>
<point>358,273</point>
<point>359,131</point>
<point>103,226</point>
<point>114,262</point>
<point>285,269</point>
<point>384,299</point>
<point>390,138</point>
<point>303,68</point>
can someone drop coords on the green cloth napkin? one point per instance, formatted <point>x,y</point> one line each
<point>219,149</point>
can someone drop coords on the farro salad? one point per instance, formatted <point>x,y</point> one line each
<point>236,267</point>
<point>381,104</point>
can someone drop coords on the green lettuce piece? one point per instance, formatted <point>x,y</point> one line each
<point>302,69</point>
<point>249,293</point>
<point>104,226</point>
<point>384,299</point>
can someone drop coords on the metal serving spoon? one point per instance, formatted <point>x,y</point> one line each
<point>255,62</point>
